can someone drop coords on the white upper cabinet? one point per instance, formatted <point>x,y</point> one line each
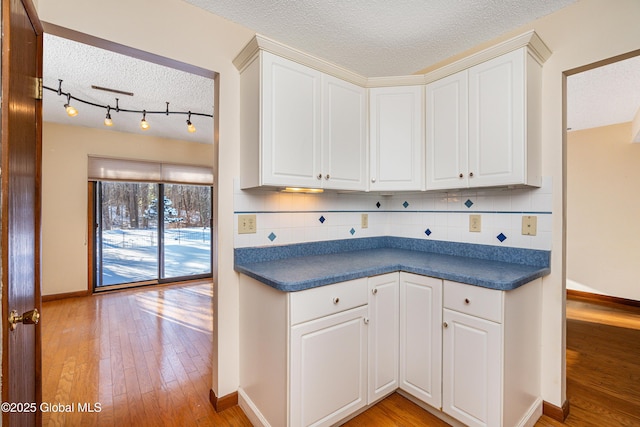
<point>447,130</point>
<point>290,123</point>
<point>301,127</point>
<point>396,138</point>
<point>344,135</point>
<point>483,125</point>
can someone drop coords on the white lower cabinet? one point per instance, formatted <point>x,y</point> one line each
<point>384,332</point>
<point>421,337</point>
<point>316,357</point>
<point>328,368</point>
<point>491,355</point>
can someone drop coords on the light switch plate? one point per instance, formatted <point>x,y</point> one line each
<point>246,224</point>
<point>529,225</point>
<point>364,221</point>
<point>475,223</point>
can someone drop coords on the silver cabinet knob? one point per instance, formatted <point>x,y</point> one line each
<point>445,324</point>
<point>461,175</point>
<point>319,176</point>
<point>466,301</point>
<point>366,321</point>
<point>374,291</point>
<point>327,176</point>
<point>373,180</point>
<point>336,300</point>
<point>470,174</point>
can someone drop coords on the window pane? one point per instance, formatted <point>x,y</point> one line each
<point>128,233</point>
<point>187,232</point>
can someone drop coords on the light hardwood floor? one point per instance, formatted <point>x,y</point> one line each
<point>145,354</point>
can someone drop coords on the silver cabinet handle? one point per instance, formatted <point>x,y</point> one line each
<point>336,300</point>
<point>445,324</point>
<point>365,320</point>
<point>319,176</point>
<point>470,174</point>
<point>327,176</point>
<point>466,301</point>
<point>373,180</point>
<point>374,291</point>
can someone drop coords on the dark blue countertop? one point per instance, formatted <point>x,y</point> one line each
<point>303,266</point>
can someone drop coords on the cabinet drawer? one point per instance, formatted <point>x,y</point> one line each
<point>325,300</point>
<point>473,300</point>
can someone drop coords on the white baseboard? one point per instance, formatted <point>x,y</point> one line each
<point>532,415</point>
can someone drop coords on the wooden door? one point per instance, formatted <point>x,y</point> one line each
<point>21,174</point>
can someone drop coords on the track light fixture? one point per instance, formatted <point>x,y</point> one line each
<point>107,119</point>
<point>71,110</point>
<point>144,124</point>
<point>190,127</point>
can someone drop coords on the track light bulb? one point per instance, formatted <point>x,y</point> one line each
<point>190,127</point>
<point>70,109</point>
<point>144,124</point>
<point>107,119</point>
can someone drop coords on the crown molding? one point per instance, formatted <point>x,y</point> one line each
<point>260,42</point>
<point>535,47</point>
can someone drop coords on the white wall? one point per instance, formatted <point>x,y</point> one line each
<point>603,231</point>
<point>583,33</point>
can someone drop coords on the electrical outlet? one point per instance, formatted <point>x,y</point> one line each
<point>364,221</point>
<point>475,223</point>
<point>529,225</point>
<point>246,224</point>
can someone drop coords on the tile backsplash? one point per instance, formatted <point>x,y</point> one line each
<point>285,218</point>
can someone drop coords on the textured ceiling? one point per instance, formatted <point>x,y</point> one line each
<point>80,66</point>
<point>382,37</point>
<point>604,96</point>
<point>371,37</point>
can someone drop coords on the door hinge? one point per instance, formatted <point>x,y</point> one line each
<point>39,88</point>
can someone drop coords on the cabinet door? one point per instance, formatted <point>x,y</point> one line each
<point>421,337</point>
<point>471,383</point>
<point>396,134</point>
<point>497,121</point>
<point>384,317</point>
<point>446,129</point>
<point>291,123</point>
<point>328,368</point>
<point>344,142</point>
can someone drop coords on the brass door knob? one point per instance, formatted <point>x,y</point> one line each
<point>31,317</point>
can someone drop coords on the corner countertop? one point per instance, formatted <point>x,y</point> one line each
<point>502,269</point>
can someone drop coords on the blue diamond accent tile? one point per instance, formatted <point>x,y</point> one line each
<point>322,219</point>
<point>427,232</point>
<point>501,237</point>
<point>352,231</point>
<point>405,204</point>
<point>378,205</point>
<point>272,237</point>
<point>468,203</point>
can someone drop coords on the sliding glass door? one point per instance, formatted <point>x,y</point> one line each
<point>151,233</point>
